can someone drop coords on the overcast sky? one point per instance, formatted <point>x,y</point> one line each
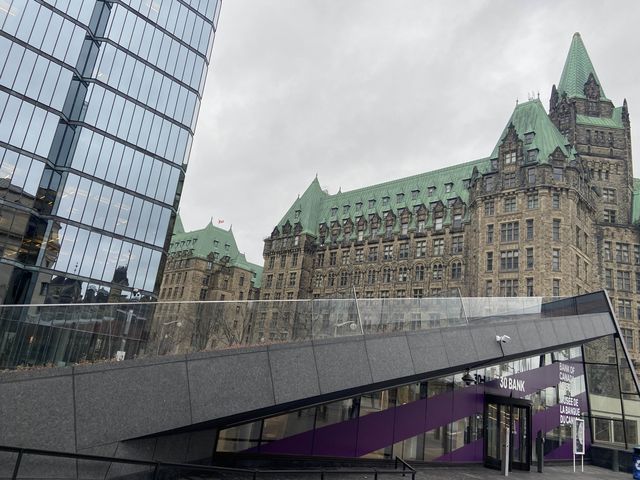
<point>365,91</point>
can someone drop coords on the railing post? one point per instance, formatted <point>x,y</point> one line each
<point>375,474</point>
<point>17,466</point>
<point>155,471</point>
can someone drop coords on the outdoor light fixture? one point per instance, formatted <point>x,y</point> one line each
<point>503,338</point>
<point>467,378</point>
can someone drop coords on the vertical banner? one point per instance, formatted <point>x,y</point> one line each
<point>578,436</point>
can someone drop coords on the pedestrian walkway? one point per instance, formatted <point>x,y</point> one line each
<point>555,472</point>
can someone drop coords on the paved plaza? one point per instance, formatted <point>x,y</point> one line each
<point>556,472</point>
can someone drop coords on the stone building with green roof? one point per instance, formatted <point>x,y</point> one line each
<point>552,211</point>
<point>206,265</point>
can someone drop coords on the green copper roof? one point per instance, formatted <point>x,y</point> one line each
<point>178,227</point>
<point>635,209</point>
<point>316,206</point>
<point>531,117</point>
<point>614,122</point>
<point>212,239</point>
<point>576,71</point>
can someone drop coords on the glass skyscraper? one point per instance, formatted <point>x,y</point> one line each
<point>98,105</point>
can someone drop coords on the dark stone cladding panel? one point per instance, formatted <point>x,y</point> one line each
<point>121,403</point>
<point>484,340</point>
<point>389,357</point>
<point>38,413</point>
<point>458,344</point>
<point>342,363</point>
<point>293,370</point>
<point>223,385</point>
<point>427,350</point>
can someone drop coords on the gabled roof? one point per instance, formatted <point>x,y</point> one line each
<point>212,239</point>
<point>316,206</point>
<point>531,117</point>
<point>576,71</point>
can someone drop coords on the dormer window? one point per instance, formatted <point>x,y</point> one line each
<point>358,206</point>
<point>400,198</point>
<point>528,138</point>
<point>494,164</point>
<point>438,223</point>
<point>414,194</point>
<point>451,202</point>
<point>532,156</point>
<point>448,187</point>
<point>431,190</point>
<point>385,201</point>
<point>510,158</point>
<point>296,215</point>
<point>372,203</point>
<point>346,209</point>
<point>334,211</point>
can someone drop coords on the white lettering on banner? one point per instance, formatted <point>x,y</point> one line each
<point>569,405</point>
<point>510,383</point>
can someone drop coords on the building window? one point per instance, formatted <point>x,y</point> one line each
<point>457,244</point>
<point>371,277</point>
<point>418,293</point>
<point>627,335</point>
<point>331,279</point>
<point>344,279</point>
<point>334,211</point>
<point>420,226</point>
<point>637,282</point>
<point>386,275</point>
<point>402,274</point>
<point>555,230</point>
<point>488,288</point>
<point>555,200</point>
<point>448,187</point>
<point>509,288</point>
<point>384,293</point>
<point>401,293</point>
<point>624,309</point>
<point>421,249</point>
<point>457,220</point>
<point>530,229</point>
<point>529,258</point>
<point>490,234</point>
<point>489,207</point>
<point>489,261</point>
<point>320,259</point>
<point>403,251</point>
<point>387,253</point>
<point>438,246</point>
<point>283,261</point>
<point>279,280</point>
<point>609,216</point>
<point>419,269</point>
<point>359,255</point>
<point>269,281</point>
<point>608,278</point>
<point>292,279</point>
<point>272,261</point>
<point>622,252</point>
<point>623,280</point>
<point>438,223</point>
<point>489,183</point>
<point>357,277</point>
<point>437,271</point>
<point>404,229</point>
<point>373,254</point>
<point>372,203</point>
<point>636,254</point>
<point>609,195</point>
<point>529,287</point>
<point>294,259</point>
<point>509,204</point>
<point>509,180</point>
<point>456,271</point>
<point>607,251</point>
<point>555,287</point>
<point>333,259</point>
<point>510,158</point>
<point>510,232</point>
<point>345,257</point>
<point>509,260</point>
<point>555,260</point>
<point>532,201</point>
<point>558,173</point>
<point>318,281</point>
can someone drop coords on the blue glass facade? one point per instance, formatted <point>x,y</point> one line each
<point>98,105</point>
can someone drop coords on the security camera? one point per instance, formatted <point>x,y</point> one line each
<point>503,338</point>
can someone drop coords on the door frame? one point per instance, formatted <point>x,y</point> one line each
<point>510,403</point>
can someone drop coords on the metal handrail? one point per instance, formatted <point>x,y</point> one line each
<point>205,468</point>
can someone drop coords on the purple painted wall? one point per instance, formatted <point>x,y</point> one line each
<point>358,437</point>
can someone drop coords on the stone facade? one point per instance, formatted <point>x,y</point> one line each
<point>549,213</point>
<point>204,266</point>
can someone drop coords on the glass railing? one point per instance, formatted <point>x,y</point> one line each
<point>59,335</point>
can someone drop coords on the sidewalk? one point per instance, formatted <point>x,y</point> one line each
<point>556,472</point>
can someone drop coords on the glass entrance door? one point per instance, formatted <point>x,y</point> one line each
<point>502,416</point>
